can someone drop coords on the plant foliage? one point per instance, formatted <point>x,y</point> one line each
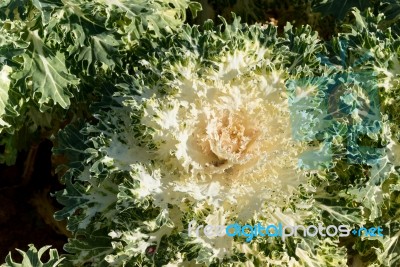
<point>218,124</point>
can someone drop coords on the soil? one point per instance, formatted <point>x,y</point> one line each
<point>26,207</point>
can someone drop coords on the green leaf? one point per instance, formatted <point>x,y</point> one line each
<point>89,248</point>
<point>371,199</point>
<point>31,258</point>
<point>12,9</point>
<point>390,256</point>
<point>391,9</point>
<point>339,8</point>
<point>70,143</point>
<point>87,207</point>
<point>321,253</point>
<point>46,68</point>
<point>4,88</point>
<point>103,49</point>
<point>339,213</point>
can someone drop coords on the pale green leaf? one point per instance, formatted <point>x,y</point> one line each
<point>48,73</point>
<point>4,88</point>
<point>32,258</point>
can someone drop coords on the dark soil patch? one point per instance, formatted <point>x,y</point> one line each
<point>26,205</point>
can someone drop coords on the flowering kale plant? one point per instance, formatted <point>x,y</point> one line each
<point>219,124</point>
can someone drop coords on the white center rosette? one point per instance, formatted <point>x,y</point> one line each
<point>223,135</point>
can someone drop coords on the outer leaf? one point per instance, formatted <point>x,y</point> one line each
<point>89,248</point>
<point>339,8</point>
<point>4,88</point>
<point>31,258</point>
<point>48,73</point>
<point>71,148</point>
<point>391,10</point>
<point>55,46</point>
<point>87,207</point>
<point>324,253</point>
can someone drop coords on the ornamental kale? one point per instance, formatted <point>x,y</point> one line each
<point>214,124</point>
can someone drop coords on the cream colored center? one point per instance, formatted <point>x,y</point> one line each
<point>228,139</point>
